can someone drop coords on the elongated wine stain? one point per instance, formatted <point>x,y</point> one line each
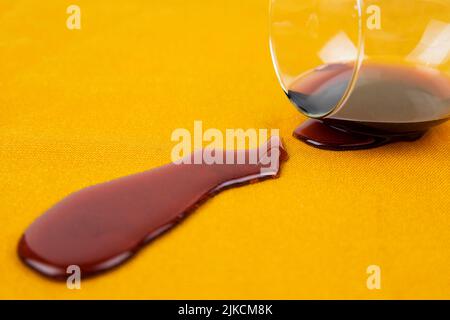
<point>100,227</point>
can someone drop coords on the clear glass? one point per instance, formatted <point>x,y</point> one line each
<point>382,64</point>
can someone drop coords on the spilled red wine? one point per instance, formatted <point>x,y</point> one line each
<point>99,227</point>
<point>324,135</point>
<point>389,103</point>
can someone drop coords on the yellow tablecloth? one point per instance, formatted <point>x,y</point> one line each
<point>85,106</point>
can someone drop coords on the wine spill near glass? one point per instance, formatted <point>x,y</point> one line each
<point>102,226</point>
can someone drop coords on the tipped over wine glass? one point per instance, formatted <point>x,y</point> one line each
<point>366,73</point>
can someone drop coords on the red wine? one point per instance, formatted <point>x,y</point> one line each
<point>389,103</point>
<point>102,226</point>
<point>325,136</point>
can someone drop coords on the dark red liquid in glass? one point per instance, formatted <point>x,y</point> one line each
<point>389,103</point>
<point>99,227</point>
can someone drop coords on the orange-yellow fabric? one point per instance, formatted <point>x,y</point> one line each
<point>80,107</point>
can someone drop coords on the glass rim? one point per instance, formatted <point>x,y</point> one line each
<point>357,63</point>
